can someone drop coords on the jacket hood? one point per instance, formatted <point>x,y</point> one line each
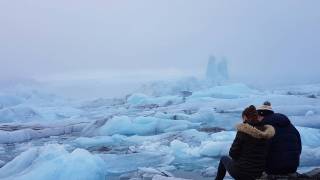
<point>267,133</point>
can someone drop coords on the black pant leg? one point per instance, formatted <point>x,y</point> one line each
<point>221,173</point>
<point>225,164</point>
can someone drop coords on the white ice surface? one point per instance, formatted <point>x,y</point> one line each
<point>123,135</point>
<point>143,126</point>
<point>54,162</point>
<point>129,162</point>
<point>30,133</point>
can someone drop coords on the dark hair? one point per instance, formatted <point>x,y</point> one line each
<point>251,113</point>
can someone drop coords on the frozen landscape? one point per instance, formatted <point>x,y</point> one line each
<point>164,131</point>
<point>150,90</point>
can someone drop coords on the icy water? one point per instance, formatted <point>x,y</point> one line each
<point>11,150</point>
<point>185,169</point>
<point>141,136</point>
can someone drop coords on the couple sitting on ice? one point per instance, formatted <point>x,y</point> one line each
<point>265,142</point>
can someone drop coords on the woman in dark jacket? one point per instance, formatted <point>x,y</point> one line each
<point>248,152</point>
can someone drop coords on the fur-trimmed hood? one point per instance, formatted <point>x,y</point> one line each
<point>267,133</point>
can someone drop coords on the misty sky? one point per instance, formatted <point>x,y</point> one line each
<point>265,41</point>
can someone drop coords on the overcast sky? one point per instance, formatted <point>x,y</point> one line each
<point>274,41</point>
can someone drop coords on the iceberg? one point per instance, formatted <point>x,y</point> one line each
<point>206,148</point>
<point>54,162</point>
<point>306,90</point>
<point>143,100</point>
<point>99,141</point>
<point>173,87</point>
<point>18,113</point>
<point>143,134</point>
<point>310,156</point>
<point>217,72</point>
<point>9,100</point>
<point>232,91</point>
<point>309,136</point>
<point>33,106</point>
<point>306,121</point>
<point>143,126</point>
<point>36,132</point>
<point>19,163</point>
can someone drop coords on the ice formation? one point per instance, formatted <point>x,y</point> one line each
<point>217,71</point>
<point>54,162</point>
<point>167,136</point>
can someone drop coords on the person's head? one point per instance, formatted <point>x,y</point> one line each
<point>250,114</point>
<point>264,110</point>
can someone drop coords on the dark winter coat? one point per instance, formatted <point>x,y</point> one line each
<point>249,149</point>
<point>285,146</point>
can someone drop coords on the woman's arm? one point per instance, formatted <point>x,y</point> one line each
<point>235,149</point>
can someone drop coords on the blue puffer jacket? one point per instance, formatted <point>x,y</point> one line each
<point>285,146</point>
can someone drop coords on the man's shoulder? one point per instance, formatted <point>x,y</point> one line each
<point>277,116</point>
<point>280,115</point>
<point>277,119</point>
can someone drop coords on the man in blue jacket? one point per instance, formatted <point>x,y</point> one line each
<point>285,147</point>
